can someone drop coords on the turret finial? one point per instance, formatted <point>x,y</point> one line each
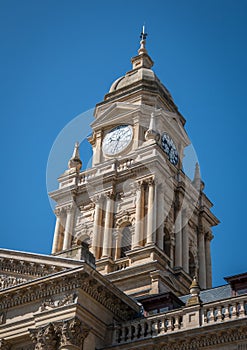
<point>143,37</point>
<point>75,161</point>
<point>197,182</point>
<point>195,293</point>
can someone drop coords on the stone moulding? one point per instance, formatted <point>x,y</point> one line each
<point>68,282</point>
<point>220,337</point>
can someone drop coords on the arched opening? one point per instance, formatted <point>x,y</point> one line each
<point>167,243</point>
<point>125,240</point>
<point>192,265</point>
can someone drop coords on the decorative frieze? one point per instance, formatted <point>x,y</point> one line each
<point>7,281</point>
<point>66,285</point>
<point>21,267</point>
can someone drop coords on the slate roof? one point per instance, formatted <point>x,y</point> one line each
<point>213,294</point>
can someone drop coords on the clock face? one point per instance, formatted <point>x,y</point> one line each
<point>117,139</point>
<point>169,147</point>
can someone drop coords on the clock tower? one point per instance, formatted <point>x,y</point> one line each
<point>146,223</point>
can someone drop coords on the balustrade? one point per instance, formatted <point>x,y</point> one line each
<point>174,321</point>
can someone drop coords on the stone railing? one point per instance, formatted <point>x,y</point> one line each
<point>225,310</point>
<point>87,175</point>
<point>178,320</point>
<point>121,264</point>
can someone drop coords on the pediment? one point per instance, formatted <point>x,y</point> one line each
<point>116,112</point>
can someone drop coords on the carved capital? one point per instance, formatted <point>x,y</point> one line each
<point>73,332</point>
<point>58,211</point>
<point>44,338</point>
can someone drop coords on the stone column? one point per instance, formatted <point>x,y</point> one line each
<point>97,147</point>
<point>138,235</point>
<point>208,239</point>
<point>160,215</point>
<point>202,260</point>
<point>118,239</point>
<point>185,233</point>
<point>57,231</point>
<point>68,227</point>
<point>151,222</point>
<point>107,240</point>
<point>96,227</point>
<point>178,240</point>
<point>172,249</point>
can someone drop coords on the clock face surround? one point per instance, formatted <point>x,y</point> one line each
<point>169,147</point>
<point>117,139</point>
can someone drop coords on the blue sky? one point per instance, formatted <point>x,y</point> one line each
<point>58,59</point>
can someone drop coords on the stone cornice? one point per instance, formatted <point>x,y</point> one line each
<point>221,336</point>
<point>84,277</point>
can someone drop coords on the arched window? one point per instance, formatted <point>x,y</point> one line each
<point>125,241</point>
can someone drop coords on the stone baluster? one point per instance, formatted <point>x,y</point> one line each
<point>162,325</point>
<point>211,315</point>
<point>107,240</point>
<point>96,239</point>
<point>169,325</point>
<point>234,311</point>
<point>226,313</point>
<point>138,234</point>
<point>68,226</point>
<point>241,309</point>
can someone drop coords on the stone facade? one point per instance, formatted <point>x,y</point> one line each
<point>131,265</point>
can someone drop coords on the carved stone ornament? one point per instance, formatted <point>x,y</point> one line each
<point>226,337</point>
<point>73,332</point>
<point>44,338</point>
<point>48,304</point>
<point>10,281</point>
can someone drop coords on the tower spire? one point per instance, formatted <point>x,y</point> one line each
<point>142,60</point>
<point>75,160</point>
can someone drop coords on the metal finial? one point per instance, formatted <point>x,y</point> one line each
<point>143,35</point>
